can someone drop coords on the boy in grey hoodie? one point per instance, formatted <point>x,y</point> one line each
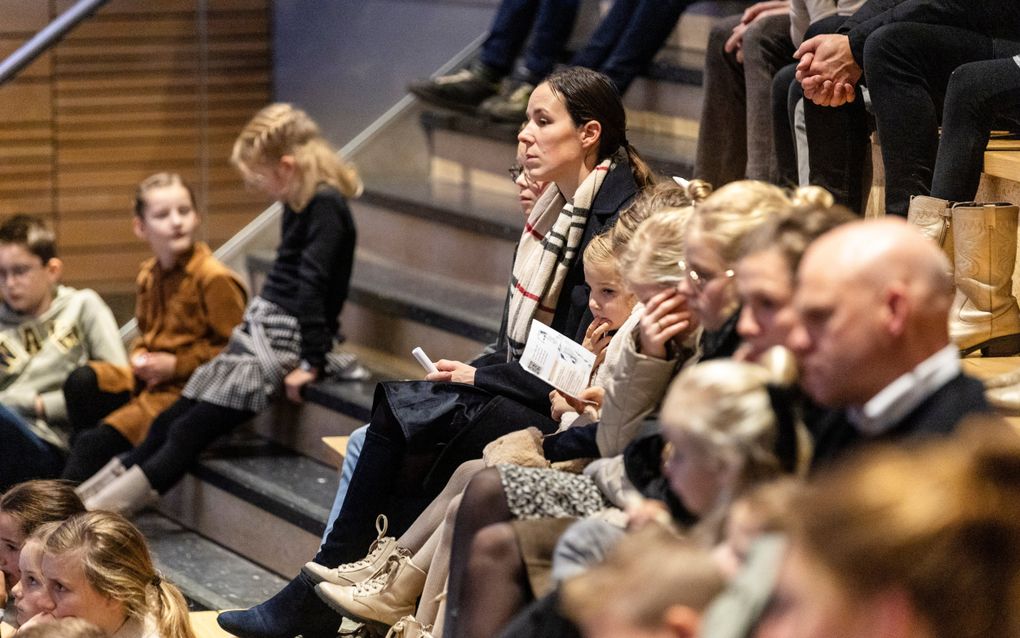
<point>46,331</point>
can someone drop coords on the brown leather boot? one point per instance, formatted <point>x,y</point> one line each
<point>985,314</point>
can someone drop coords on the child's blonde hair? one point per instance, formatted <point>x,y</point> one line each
<point>599,251</point>
<point>158,180</point>
<point>664,196</point>
<point>724,407</point>
<point>116,561</point>
<point>653,253</point>
<point>729,214</point>
<point>646,573</point>
<point>282,129</point>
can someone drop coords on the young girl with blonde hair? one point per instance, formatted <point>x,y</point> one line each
<point>288,328</point>
<point>98,568</point>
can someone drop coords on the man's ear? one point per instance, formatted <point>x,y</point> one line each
<point>897,307</point>
<point>591,134</point>
<point>681,621</point>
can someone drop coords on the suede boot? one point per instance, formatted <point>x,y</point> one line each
<point>126,494</point>
<point>91,486</point>
<point>350,573</point>
<point>381,601</point>
<point>294,610</point>
<point>985,315</point>
<point>932,216</point>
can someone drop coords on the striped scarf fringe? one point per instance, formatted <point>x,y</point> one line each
<point>550,243</point>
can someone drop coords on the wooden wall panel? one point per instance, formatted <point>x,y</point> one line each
<point>134,89</point>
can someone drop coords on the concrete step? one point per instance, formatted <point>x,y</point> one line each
<point>394,309</point>
<point>444,229</point>
<point>209,576</point>
<point>257,499</point>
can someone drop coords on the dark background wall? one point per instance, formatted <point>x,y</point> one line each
<point>347,61</point>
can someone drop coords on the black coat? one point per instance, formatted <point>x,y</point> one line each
<point>455,421</point>
<point>938,415</point>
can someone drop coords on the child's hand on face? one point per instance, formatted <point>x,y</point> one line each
<point>667,317</point>
<point>597,336</point>
<point>154,367</point>
<point>38,619</point>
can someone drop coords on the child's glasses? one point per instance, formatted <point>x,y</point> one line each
<point>516,171</point>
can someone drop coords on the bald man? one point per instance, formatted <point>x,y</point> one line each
<point>872,337</point>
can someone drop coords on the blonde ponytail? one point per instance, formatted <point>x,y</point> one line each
<point>282,129</point>
<point>117,564</point>
<point>171,611</point>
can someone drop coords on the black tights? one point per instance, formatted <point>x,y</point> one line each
<point>93,443</point>
<point>178,436</point>
<point>484,550</point>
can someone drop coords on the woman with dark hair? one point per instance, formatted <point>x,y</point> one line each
<point>421,431</point>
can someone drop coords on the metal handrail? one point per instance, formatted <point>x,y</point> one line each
<point>47,37</point>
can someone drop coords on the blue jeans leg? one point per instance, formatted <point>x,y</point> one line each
<point>25,455</point>
<point>508,33</point>
<point>551,32</point>
<point>628,38</point>
<point>354,445</point>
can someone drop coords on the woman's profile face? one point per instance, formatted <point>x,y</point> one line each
<point>708,281</point>
<point>552,146</point>
<point>74,596</point>
<point>765,288</point>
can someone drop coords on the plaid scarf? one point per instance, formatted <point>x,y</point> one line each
<point>549,245</point>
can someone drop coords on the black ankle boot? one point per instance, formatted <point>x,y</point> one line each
<point>294,610</point>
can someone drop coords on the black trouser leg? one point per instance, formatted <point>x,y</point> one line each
<point>907,67</point>
<point>91,450</point>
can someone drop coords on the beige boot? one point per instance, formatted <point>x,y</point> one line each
<point>409,627</point>
<point>350,573</point>
<point>127,494</point>
<point>91,486</point>
<point>382,600</point>
<point>931,216</point>
<point>985,315</point>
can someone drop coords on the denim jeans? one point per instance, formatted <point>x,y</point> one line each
<point>354,445</point>
<point>628,38</point>
<point>548,21</point>
<point>25,455</point>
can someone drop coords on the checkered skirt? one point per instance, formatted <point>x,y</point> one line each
<point>249,372</point>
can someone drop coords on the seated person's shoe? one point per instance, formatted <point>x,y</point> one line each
<point>462,91</point>
<point>511,105</point>
<point>294,610</point>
